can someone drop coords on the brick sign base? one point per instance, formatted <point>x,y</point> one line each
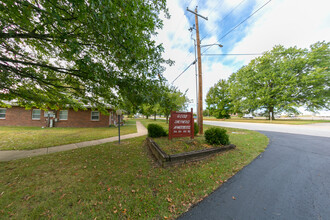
<point>181,124</point>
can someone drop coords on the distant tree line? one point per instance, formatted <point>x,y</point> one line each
<point>166,100</point>
<point>280,81</point>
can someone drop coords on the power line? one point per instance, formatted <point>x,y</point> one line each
<point>189,53</point>
<point>190,3</point>
<point>244,20</point>
<point>247,54</point>
<point>223,19</point>
<point>255,54</point>
<point>218,5</point>
<point>226,35</point>
<point>179,23</point>
<point>177,32</point>
<point>240,23</point>
<point>188,56</point>
<point>184,71</point>
<point>233,54</point>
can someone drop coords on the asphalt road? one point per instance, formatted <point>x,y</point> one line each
<point>290,180</point>
<point>321,129</point>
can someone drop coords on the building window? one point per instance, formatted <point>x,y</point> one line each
<point>63,115</point>
<point>3,113</point>
<point>50,113</point>
<point>95,116</point>
<point>36,114</point>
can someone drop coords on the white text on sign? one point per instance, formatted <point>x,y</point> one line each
<point>181,127</point>
<point>182,122</point>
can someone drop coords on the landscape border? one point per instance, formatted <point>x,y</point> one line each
<point>166,160</point>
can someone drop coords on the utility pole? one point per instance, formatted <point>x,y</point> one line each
<point>200,86</point>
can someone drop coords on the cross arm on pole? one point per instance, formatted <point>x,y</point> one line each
<point>196,14</point>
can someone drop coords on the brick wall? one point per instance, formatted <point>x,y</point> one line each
<point>82,119</point>
<point>18,116</point>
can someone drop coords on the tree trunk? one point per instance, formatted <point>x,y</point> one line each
<point>155,116</point>
<point>147,116</point>
<point>166,119</point>
<point>271,113</point>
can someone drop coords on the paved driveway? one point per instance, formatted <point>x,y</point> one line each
<point>290,180</point>
<point>321,129</point>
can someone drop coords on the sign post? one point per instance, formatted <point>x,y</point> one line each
<point>181,125</point>
<point>118,112</point>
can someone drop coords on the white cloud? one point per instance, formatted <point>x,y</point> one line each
<point>289,23</point>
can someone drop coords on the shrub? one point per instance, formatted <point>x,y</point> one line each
<point>155,130</point>
<point>216,136</point>
<point>196,129</point>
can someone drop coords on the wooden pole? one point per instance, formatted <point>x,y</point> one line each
<point>200,87</point>
<point>200,80</point>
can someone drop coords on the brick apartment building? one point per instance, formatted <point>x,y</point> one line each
<point>19,116</point>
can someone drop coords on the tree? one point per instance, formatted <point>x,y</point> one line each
<point>146,110</point>
<point>156,109</point>
<point>316,84</point>
<point>172,100</point>
<point>151,102</point>
<point>206,113</point>
<point>58,53</point>
<point>282,80</point>
<point>218,100</point>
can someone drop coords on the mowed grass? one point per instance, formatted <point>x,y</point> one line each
<point>181,145</point>
<point>161,122</point>
<point>277,121</point>
<point>27,138</point>
<point>113,181</point>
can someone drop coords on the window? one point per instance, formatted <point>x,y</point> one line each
<point>36,114</point>
<point>3,113</point>
<point>63,115</point>
<point>51,114</point>
<point>95,116</point>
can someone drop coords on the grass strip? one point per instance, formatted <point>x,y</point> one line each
<point>27,138</point>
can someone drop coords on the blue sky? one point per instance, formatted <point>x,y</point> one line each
<point>287,22</point>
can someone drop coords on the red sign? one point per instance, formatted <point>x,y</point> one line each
<point>181,125</point>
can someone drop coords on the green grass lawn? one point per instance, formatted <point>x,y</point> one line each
<point>161,122</point>
<point>113,181</point>
<point>26,138</point>
<point>277,121</point>
<point>181,145</point>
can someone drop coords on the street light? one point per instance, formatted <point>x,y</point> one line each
<point>208,45</point>
<point>191,29</point>
<point>119,112</point>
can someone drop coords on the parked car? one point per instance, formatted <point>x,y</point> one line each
<point>248,116</point>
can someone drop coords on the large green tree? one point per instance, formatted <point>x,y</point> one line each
<point>55,53</point>
<point>282,80</point>
<point>218,100</point>
<point>172,100</point>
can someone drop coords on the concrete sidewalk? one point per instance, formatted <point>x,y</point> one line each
<point>13,155</point>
